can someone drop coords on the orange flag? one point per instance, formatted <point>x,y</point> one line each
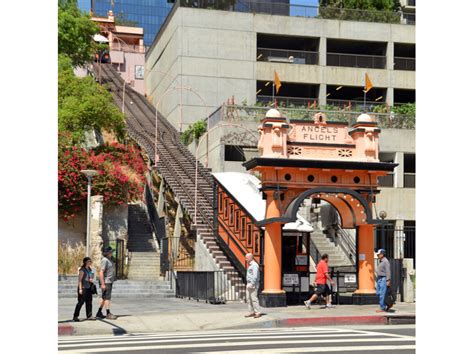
<point>277,82</point>
<point>368,84</point>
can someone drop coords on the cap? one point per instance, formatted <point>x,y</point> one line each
<point>381,250</point>
<point>108,249</point>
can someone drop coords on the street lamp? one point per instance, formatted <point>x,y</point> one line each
<point>383,215</point>
<point>89,174</point>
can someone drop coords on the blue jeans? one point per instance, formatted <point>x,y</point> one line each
<point>381,291</point>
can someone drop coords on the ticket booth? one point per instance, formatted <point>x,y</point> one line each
<point>295,266</point>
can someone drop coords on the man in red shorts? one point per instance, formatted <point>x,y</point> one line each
<point>322,276</point>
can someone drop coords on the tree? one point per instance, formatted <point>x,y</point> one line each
<point>120,179</point>
<point>84,105</point>
<point>75,33</point>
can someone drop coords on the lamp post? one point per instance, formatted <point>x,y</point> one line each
<point>383,215</point>
<point>89,174</point>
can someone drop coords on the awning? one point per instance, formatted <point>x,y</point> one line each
<point>100,38</point>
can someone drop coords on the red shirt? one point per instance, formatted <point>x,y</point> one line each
<point>321,271</point>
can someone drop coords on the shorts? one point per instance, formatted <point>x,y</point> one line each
<point>107,293</point>
<point>322,289</point>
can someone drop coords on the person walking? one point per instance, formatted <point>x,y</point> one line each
<point>383,279</point>
<point>106,279</point>
<point>84,290</point>
<point>253,281</point>
<point>321,287</point>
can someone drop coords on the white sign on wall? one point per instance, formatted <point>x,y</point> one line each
<point>349,278</point>
<point>290,279</point>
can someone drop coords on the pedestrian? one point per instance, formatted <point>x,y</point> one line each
<point>84,290</point>
<point>106,278</point>
<point>321,286</point>
<point>383,279</point>
<point>253,281</point>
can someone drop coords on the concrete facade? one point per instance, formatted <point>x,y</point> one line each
<point>214,53</point>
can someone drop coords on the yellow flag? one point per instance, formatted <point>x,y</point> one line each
<point>277,82</point>
<point>368,84</point>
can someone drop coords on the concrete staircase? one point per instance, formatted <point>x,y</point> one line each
<point>337,257</point>
<point>144,257</point>
<point>122,288</point>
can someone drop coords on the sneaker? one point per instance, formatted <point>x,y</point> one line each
<point>110,316</point>
<point>76,319</point>
<point>307,304</point>
<point>330,306</point>
<point>91,318</point>
<point>100,315</point>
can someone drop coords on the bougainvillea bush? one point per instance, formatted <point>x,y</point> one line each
<point>120,179</point>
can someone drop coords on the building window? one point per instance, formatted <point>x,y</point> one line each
<point>242,228</point>
<point>409,173</point>
<point>233,153</point>
<point>226,208</point>
<point>249,235</point>
<point>237,218</point>
<point>231,215</point>
<point>220,201</point>
<point>386,181</point>
<point>256,235</point>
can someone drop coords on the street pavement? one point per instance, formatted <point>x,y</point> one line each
<point>151,315</point>
<point>374,339</point>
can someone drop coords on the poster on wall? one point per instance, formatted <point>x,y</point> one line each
<point>139,72</point>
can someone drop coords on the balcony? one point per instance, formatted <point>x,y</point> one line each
<point>287,56</point>
<point>128,48</point>
<point>356,60</point>
<point>293,10</point>
<point>283,101</point>
<point>401,63</point>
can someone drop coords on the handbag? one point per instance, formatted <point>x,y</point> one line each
<point>389,297</point>
<point>93,289</point>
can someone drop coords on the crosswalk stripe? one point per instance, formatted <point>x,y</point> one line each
<point>239,344</point>
<point>217,335</point>
<point>323,349</point>
<point>197,339</point>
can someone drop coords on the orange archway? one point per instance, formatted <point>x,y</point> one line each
<point>335,162</point>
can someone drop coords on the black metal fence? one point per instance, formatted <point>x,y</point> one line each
<point>399,242</point>
<point>120,259</point>
<point>157,222</point>
<point>210,286</point>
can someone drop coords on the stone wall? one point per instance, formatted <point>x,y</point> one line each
<point>115,223</point>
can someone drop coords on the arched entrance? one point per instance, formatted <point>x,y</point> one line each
<point>335,162</point>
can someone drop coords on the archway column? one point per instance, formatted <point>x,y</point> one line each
<point>272,294</point>
<point>365,293</point>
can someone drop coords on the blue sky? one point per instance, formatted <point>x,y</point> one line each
<point>303,11</point>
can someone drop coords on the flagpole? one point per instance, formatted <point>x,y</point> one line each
<point>365,93</point>
<point>273,94</point>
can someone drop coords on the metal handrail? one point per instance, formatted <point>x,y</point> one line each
<point>347,243</point>
<point>356,60</point>
<point>287,55</point>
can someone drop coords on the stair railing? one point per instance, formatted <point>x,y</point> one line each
<point>347,243</point>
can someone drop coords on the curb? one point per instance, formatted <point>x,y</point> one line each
<point>332,321</point>
<point>65,330</point>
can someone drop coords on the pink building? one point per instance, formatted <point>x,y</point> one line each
<point>127,52</point>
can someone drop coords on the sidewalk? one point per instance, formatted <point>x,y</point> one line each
<point>150,315</point>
